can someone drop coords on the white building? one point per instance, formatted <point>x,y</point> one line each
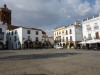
<point>68,36</point>
<point>91,30</point>
<point>3,28</point>
<point>24,38</point>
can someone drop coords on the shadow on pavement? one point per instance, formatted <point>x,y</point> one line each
<point>5,52</point>
<point>37,56</point>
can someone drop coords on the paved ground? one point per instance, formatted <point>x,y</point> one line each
<point>49,62</point>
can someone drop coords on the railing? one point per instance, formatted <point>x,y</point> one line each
<point>89,28</point>
<point>96,27</point>
<point>89,38</point>
<point>1,35</point>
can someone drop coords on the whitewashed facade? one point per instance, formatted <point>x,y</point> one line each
<point>91,27</point>
<point>3,28</point>
<point>91,30</point>
<point>68,35</point>
<point>23,37</point>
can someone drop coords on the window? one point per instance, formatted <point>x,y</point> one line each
<point>66,38</point>
<point>28,31</point>
<point>66,32</point>
<point>9,33</point>
<point>37,33</point>
<point>59,32</point>
<point>10,39</point>
<point>15,38</point>
<point>37,39</point>
<point>63,40</point>
<point>0,29</point>
<point>62,32</point>
<point>28,37</point>
<point>12,32</point>
<point>70,31</point>
<point>88,27</point>
<point>2,36</point>
<point>96,27</point>
<point>15,31</point>
<point>55,33</point>
<point>97,35</point>
<point>89,37</point>
<point>70,38</point>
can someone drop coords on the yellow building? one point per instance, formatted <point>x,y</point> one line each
<point>68,36</point>
<point>59,35</point>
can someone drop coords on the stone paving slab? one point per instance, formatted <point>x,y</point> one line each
<point>49,62</point>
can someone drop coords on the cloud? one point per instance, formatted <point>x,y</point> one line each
<point>84,8</point>
<point>48,14</point>
<point>97,7</point>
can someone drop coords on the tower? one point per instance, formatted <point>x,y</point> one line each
<point>5,15</point>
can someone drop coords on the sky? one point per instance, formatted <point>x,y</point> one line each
<point>49,14</point>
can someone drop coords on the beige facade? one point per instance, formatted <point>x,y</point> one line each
<point>68,36</point>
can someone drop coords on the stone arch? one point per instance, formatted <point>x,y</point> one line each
<point>71,44</point>
<point>28,44</point>
<point>19,45</point>
<point>25,45</point>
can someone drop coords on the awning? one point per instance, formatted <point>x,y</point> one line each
<point>96,41</point>
<point>90,41</point>
<point>83,42</point>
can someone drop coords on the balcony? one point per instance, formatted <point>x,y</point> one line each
<point>96,28</point>
<point>1,35</point>
<point>89,38</point>
<point>89,28</point>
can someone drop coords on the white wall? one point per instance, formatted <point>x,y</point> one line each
<point>91,22</point>
<point>32,35</point>
<point>22,36</point>
<point>76,33</point>
<point>68,35</point>
<point>4,27</point>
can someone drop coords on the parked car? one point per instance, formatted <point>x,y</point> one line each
<point>58,47</point>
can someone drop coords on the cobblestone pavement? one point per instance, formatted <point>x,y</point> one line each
<point>49,62</point>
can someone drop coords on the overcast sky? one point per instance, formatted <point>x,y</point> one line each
<point>49,14</point>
